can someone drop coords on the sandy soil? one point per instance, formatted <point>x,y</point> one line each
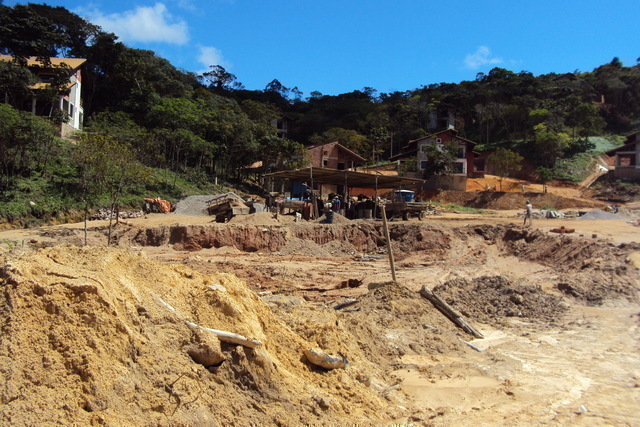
<point>86,340</point>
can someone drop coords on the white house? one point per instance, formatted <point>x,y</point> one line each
<point>69,98</point>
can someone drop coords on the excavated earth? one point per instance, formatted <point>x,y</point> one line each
<point>95,335</point>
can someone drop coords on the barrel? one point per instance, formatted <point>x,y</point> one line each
<point>328,217</point>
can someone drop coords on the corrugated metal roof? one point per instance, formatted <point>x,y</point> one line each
<point>344,177</point>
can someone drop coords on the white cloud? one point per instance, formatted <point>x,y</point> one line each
<point>481,57</point>
<point>187,4</point>
<point>210,55</point>
<point>144,24</point>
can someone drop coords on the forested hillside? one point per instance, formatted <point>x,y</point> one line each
<point>172,125</point>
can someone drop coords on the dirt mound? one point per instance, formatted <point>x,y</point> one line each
<point>595,270</point>
<point>509,201</point>
<point>489,299</point>
<point>386,323</point>
<point>337,219</point>
<point>97,335</point>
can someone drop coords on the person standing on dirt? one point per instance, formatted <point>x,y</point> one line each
<point>528,214</point>
<point>336,204</point>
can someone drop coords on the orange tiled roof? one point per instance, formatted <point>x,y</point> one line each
<point>32,61</point>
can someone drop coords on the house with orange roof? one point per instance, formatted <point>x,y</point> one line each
<point>68,99</point>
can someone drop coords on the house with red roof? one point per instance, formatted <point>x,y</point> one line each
<point>627,158</point>
<point>464,166</point>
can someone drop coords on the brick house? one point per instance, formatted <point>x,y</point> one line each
<point>68,100</point>
<point>627,158</point>
<point>464,165</point>
<point>333,155</point>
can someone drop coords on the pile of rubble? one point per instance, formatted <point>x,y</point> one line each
<point>109,214</point>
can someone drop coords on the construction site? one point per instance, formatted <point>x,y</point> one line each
<point>197,317</point>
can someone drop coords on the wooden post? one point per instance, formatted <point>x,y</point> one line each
<point>449,312</point>
<point>375,198</point>
<point>386,234</point>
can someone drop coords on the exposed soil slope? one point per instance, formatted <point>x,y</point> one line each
<point>87,339</point>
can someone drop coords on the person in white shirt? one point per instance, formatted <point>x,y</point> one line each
<point>528,214</point>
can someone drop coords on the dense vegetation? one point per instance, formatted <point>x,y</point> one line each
<point>169,126</point>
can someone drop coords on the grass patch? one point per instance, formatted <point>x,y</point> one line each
<point>451,208</point>
<point>574,169</point>
<point>603,143</point>
<point>36,200</point>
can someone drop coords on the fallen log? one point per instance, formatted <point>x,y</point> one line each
<point>227,336</point>
<point>449,312</point>
<point>322,359</point>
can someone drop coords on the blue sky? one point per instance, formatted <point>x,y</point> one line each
<point>337,46</point>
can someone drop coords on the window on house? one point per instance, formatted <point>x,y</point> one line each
<point>439,140</point>
<point>341,166</point>
<point>325,153</point>
<point>423,165</point>
<point>626,160</point>
<point>459,167</point>
<point>461,152</point>
<point>325,162</point>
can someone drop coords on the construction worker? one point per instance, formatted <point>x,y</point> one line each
<point>528,213</point>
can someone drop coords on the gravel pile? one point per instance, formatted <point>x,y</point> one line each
<point>193,205</point>
<point>600,214</point>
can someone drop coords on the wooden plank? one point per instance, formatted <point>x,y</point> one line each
<point>386,234</point>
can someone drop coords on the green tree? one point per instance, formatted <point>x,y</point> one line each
<point>15,82</point>
<point>545,175</point>
<point>25,33</point>
<point>549,145</point>
<point>439,158</point>
<point>107,167</point>
<point>276,87</point>
<point>26,145</point>
<point>378,138</point>
<point>504,162</point>
<point>219,79</point>
<point>73,33</point>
